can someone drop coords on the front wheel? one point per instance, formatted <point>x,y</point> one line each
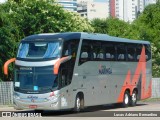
<point>79,104</point>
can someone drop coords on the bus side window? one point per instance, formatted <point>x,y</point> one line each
<point>109,51</point>
<point>98,52</point>
<point>121,52</point>
<point>85,54</point>
<point>131,52</point>
<point>148,52</point>
<point>138,51</point>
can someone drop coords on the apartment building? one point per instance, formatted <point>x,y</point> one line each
<point>70,5</point>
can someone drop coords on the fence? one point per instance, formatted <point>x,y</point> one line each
<point>156,88</point>
<point>6,91</point>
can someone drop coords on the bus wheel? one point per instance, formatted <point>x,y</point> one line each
<point>134,98</point>
<point>126,99</point>
<point>39,111</point>
<point>79,103</point>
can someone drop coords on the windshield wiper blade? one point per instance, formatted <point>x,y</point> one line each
<point>51,89</point>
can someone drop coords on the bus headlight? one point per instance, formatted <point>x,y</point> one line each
<point>52,98</point>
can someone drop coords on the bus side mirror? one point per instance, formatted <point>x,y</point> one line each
<point>6,65</point>
<point>58,63</point>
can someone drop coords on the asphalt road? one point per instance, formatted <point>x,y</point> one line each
<point>149,110</point>
<point>96,111</point>
<point>110,111</point>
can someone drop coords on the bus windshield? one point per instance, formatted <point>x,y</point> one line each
<point>35,82</point>
<point>36,50</point>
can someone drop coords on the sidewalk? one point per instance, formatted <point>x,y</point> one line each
<point>6,108</point>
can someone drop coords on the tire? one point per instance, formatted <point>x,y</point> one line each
<point>79,104</point>
<point>126,99</point>
<point>133,98</point>
<point>39,111</point>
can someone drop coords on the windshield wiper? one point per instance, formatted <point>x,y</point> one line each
<point>51,89</point>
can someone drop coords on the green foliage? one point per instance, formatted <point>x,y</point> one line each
<point>111,26</point>
<point>20,18</point>
<point>148,26</point>
<point>7,41</point>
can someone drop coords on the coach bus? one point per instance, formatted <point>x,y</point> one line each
<point>75,70</point>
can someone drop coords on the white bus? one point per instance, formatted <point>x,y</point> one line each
<point>75,70</point>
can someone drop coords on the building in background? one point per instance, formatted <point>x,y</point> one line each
<point>147,2</point>
<point>112,8</point>
<point>127,10</point>
<point>70,5</point>
<point>92,10</point>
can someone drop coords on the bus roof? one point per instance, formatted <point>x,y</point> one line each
<point>81,35</point>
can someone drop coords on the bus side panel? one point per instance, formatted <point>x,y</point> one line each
<point>140,78</point>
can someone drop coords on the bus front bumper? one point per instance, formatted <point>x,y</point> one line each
<point>48,105</point>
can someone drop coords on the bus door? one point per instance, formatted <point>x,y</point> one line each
<point>70,48</point>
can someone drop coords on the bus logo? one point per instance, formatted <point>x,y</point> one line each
<point>25,68</point>
<point>104,70</point>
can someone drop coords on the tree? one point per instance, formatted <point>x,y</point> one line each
<point>148,26</point>
<point>8,44</point>
<point>112,26</point>
<point>20,18</point>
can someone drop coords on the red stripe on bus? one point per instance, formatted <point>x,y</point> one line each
<point>6,65</point>
<point>132,83</point>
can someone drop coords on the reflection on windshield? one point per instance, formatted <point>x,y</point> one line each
<point>35,82</point>
<point>34,50</point>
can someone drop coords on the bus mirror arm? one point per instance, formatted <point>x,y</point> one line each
<point>6,65</point>
<point>59,62</point>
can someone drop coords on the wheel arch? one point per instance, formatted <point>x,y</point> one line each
<point>81,94</point>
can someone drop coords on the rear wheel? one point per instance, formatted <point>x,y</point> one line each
<point>134,98</point>
<point>39,111</point>
<point>126,99</point>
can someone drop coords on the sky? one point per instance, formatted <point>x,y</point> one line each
<point>100,0</point>
<point>1,1</point>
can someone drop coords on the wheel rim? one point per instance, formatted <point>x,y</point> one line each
<point>78,103</point>
<point>126,100</point>
<point>134,98</point>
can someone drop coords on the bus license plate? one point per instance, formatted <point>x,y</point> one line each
<point>33,106</point>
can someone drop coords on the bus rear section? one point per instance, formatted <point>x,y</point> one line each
<point>115,71</point>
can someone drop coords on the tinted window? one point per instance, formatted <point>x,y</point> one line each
<point>131,52</point>
<point>97,50</point>
<point>70,48</point>
<point>138,51</point>
<point>86,52</point>
<point>39,50</point>
<point>121,52</point>
<point>148,52</point>
<point>109,49</point>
